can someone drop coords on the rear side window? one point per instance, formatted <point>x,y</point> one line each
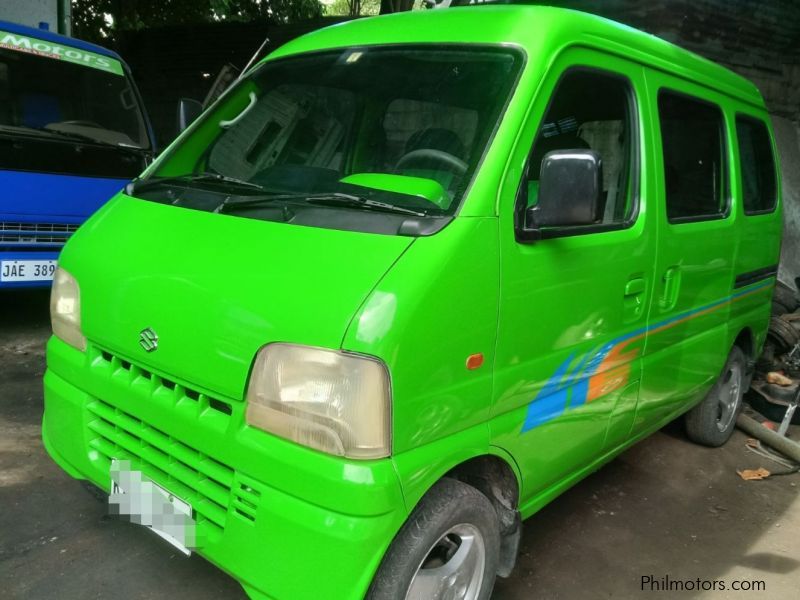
<point>759,188</point>
<point>692,134</point>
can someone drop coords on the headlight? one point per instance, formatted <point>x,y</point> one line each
<point>65,309</point>
<point>332,401</point>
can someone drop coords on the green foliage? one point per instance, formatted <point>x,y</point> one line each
<point>363,8</point>
<point>99,20</point>
<point>351,8</point>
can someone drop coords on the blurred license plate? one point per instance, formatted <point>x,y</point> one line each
<point>143,502</point>
<point>27,270</point>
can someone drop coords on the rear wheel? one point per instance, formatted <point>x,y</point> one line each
<point>448,549</point>
<point>711,422</point>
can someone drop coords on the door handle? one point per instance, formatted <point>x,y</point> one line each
<point>672,283</point>
<point>634,287</point>
<point>633,299</point>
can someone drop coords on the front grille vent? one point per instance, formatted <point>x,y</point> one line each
<point>164,386</point>
<point>18,233</point>
<point>11,226</point>
<point>213,489</point>
<point>246,497</point>
<point>195,477</point>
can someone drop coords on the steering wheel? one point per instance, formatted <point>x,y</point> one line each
<point>453,163</point>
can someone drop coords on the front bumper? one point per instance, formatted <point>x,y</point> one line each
<point>287,522</point>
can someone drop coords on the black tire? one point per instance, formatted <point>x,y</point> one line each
<point>711,423</point>
<point>449,504</point>
<point>782,335</point>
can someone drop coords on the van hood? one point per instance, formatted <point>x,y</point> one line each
<point>215,288</point>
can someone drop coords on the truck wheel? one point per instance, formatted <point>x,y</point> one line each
<point>782,335</point>
<point>711,422</point>
<point>448,549</point>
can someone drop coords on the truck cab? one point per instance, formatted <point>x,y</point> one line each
<point>73,131</point>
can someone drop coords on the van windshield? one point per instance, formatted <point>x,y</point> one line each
<point>361,128</point>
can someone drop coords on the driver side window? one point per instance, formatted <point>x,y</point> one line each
<point>591,110</point>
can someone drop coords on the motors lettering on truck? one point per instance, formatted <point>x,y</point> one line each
<point>29,45</point>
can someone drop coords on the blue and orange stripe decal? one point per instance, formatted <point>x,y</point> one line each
<point>603,370</point>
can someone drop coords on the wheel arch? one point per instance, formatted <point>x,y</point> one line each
<point>495,475</point>
<point>492,476</point>
<point>745,340</point>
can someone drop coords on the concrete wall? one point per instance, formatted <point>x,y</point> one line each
<point>787,136</point>
<point>30,12</point>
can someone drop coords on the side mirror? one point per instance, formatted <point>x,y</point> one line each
<point>188,111</point>
<point>570,186</point>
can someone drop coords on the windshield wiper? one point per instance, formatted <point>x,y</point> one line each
<point>44,132</point>
<point>140,185</point>
<point>331,199</point>
<point>341,199</point>
<point>29,131</point>
<point>74,136</point>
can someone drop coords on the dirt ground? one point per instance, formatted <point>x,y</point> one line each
<point>665,508</point>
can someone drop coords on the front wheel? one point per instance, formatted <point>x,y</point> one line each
<point>448,549</point>
<point>711,422</point>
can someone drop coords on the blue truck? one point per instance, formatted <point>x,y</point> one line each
<point>73,131</point>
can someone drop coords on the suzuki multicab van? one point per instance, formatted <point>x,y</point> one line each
<point>406,282</point>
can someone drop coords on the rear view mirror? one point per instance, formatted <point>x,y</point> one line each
<point>188,111</point>
<point>570,185</point>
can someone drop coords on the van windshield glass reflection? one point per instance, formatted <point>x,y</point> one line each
<point>404,126</point>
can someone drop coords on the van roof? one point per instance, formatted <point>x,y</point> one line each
<point>49,36</point>
<point>553,29</point>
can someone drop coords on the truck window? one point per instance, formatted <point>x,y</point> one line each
<point>759,189</point>
<point>43,94</point>
<point>592,110</point>
<point>694,164</point>
<point>67,110</point>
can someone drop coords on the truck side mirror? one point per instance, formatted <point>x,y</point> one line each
<point>188,111</point>
<point>570,185</point>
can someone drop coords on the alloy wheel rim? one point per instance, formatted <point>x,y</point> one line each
<point>452,568</point>
<point>729,394</point>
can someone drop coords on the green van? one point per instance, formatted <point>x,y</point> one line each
<point>406,282</point>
